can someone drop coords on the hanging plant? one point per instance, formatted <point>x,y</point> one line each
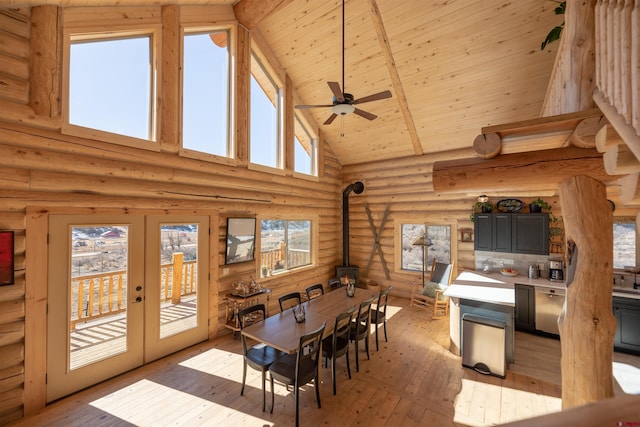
<point>554,34</point>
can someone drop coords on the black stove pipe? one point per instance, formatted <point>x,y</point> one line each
<point>357,187</point>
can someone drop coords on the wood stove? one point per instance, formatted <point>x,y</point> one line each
<point>352,271</point>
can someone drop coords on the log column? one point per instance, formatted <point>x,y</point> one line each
<point>587,325</point>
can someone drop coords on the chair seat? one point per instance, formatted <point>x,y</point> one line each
<point>327,346</point>
<point>377,316</point>
<point>284,369</point>
<point>261,356</point>
<point>358,330</point>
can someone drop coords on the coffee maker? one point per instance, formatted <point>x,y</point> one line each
<point>556,270</point>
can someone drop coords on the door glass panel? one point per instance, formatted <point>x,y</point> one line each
<point>178,277</point>
<point>98,293</point>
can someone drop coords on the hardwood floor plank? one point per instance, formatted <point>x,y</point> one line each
<point>413,380</point>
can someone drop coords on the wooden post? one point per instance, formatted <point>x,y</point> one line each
<point>587,325</point>
<point>176,285</point>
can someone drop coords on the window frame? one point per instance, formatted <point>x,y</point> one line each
<point>257,57</point>
<point>73,33</point>
<point>313,244</point>
<point>314,141</point>
<point>426,221</point>
<point>231,156</point>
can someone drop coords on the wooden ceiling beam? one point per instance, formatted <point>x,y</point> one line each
<point>250,13</point>
<point>535,170</point>
<point>385,48</point>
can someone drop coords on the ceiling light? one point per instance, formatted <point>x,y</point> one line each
<point>343,109</point>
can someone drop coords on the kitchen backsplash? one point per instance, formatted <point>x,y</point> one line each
<point>520,262</point>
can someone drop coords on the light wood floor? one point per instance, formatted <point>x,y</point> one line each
<point>412,380</point>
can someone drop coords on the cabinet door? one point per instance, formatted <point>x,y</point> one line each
<point>627,336</point>
<point>525,309</point>
<point>530,233</point>
<point>502,232</point>
<point>482,232</point>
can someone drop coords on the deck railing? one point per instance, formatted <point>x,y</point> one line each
<point>98,295</point>
<point>618,59</point>
<point>273,260</point>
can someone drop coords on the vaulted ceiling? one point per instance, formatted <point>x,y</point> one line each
<point>453,66</point>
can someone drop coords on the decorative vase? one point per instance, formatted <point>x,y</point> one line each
<point>299,313</point>
<point>351,289</point>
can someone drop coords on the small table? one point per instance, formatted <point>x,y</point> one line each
<point>281,331</point>
<point>236,302</point>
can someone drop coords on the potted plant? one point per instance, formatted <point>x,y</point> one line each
<point>538,205</point>
<point>484,207</point>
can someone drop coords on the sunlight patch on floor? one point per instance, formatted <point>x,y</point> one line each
<point>149,403</point>
<point>496,404</point>
<point>627,376</point>
<point>213,359</point>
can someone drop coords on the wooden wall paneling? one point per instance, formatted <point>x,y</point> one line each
<point>45,44</point>
<point>104,18</point>
<point>242,85</point>
<point>206,14</point>
<point>35,365</point>
<point>171,77</point>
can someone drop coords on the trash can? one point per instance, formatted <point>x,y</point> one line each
<point>483,345</point>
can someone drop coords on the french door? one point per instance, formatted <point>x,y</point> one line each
<point>123,290</point>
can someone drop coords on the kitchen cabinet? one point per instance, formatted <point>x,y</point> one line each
<point>627,313</point>
<point>511,232</point>
<point>492,232</point>
<point>525,307</point>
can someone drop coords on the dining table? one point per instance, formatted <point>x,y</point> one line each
<point>283,332</point>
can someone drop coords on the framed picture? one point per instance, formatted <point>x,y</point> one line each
<point>466,235</point>
<point>241,240</point>
<point>6,258</point>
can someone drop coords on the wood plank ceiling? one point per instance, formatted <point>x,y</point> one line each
<point>453,66</point>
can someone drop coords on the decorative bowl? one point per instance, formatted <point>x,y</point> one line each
<point>509,272</point>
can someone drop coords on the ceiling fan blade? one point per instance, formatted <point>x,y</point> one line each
<point>364,114</point>
<point>376,96</point>
<point>335,88</point>
<point>299,107</point>
<point>331,118</point>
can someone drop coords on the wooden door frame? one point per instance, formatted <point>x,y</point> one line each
<point>36,285</point>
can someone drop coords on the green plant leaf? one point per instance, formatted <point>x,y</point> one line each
<point>553,35</point>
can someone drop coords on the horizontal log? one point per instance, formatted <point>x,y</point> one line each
<point>629,189</point>
<point>562,122</point>
<point>487,146</point>
<point>606,138</point>
<point>536,170</point>
<point>618,160</point>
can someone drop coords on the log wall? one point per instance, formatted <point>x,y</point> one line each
<point>46,171</point>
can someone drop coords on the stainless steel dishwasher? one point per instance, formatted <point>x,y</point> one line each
<point>549,302</point>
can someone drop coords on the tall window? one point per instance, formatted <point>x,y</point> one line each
<point>205,93</point>
<point>624,244</point>
<point>284,245</point>
<point>422,243</point>
<point>266,101</point>
<point>111,84</point>
<point>306,150</point>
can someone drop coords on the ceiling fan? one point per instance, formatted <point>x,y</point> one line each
<point>344,103</point>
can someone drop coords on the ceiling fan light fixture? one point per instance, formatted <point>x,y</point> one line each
<point>343,109</point>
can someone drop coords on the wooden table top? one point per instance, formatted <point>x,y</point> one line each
<point>281,331</point>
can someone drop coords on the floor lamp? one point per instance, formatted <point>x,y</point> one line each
<point>423,242</point>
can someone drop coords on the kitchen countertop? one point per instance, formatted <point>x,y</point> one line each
<point>495,287</point>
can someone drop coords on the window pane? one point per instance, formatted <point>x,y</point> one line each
<point>298,243</point>
<point>305,154</point>
<point>179,274</point>
<point>436,243</point>
<point>205,99</point>
<point>284,245</point>
<point>264,97</point>
<point>624,244</point>
<point>110,86</point>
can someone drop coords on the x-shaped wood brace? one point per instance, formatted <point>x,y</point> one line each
<point>376,237</point>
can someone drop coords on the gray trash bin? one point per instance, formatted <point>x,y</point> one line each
<point>483,345</point>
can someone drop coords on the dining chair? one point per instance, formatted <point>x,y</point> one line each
<point>379,314</point>
<point>285,300</point>
<point>360,328</point>
<point>314,291</point>
<point>337,345</point>
<point>260,356</point>
<point>300,368</point>
<point>334,283</point>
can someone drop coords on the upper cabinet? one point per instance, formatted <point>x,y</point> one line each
<point>512,232</point>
